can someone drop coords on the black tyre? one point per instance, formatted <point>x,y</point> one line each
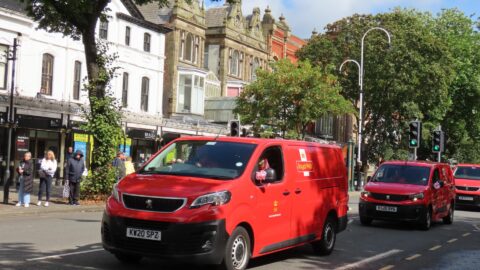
<point>426,220</point>
<point>365,220</point>
<point>128,258</point>
<point>329,236</point>
<point>238,250</point>
<point>449,218</point>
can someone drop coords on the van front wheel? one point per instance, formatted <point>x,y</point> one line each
<point>325,245</point>
<point>237,253</point>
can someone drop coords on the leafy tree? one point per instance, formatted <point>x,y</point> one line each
<point>288,99</point>
<point>78,19</point>
<point>409,80</point>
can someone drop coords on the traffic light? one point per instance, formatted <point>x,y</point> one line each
<point>415,134</point>
<point>234,127</point>
<point>438,141</point>
<point>244,132</point>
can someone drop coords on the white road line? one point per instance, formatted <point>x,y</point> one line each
<point>466,234</point>
<point>435,247</point>
<point>369,260</point>
<point>63,255</point>
<point>477,227</point>
<point>388,267</point>
<point>452,240</point>
<point>411,258</point>
<point>350,221</point>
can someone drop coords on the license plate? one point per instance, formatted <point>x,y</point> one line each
<point>384,208</point>
<point>465,198</point>
<point>144,234</point>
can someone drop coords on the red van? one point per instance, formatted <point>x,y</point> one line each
<point>413,191</point>
<point>225,200</point>
<point>467,183</point>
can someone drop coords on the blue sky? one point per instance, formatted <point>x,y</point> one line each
<point>304,15</point>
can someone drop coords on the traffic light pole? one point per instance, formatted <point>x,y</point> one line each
<point>415,154</point>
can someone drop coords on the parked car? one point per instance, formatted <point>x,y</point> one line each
<point>414,191</point>
<point>226,200</point>
<point>467,183</point>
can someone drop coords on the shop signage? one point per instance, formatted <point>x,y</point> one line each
<point>22,144</point>
<point>142,134</point>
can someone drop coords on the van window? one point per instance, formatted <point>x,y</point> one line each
<point>272,158</point>
<point>207,159</point>
<point>402,174</point>
<point>436,175</point>
<point>471,173</point>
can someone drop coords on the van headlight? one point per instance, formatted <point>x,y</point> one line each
<point>116,193</point>
<point>365,194</point>
<point>416,197</point>
<point>215,199</point>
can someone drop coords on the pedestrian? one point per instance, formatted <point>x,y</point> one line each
<point>119,165</point>
<point>129,168</point>
<point>69,154</point>
<point>49,167</point>
<point>74,173</point>
<point>25,172</point>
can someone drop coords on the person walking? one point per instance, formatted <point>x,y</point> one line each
<point>129,168</point>
<point>49,167</point>
<point>119,165</point>
<point>74,173</point>
<point>25,172</point>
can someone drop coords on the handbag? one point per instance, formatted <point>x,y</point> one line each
<point>42,174</point>
<point>66,190</point>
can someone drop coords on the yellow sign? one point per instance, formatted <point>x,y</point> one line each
<point>80,137</point>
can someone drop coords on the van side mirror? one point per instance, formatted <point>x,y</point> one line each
<point>266,176</point>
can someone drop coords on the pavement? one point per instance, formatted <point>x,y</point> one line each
<point>57,203</point>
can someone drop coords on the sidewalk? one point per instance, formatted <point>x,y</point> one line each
<point>57,203</point>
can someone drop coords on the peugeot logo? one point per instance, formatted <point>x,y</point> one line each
<point>149,204</point>
<point>388,197</point>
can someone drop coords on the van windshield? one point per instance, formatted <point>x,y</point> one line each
<point>472,173</point>
<point>402,174</point>
<point>207,159</point>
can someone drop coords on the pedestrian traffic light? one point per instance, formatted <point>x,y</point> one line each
<point>438,141</point>
<point>234,127</point>
<point>415,134</point>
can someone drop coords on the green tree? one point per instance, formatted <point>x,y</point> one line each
<point>409,80</point>
<point>291,97</point>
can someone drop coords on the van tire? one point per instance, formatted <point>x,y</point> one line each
<point>128,258</point>
<point>237,251</point>
<point>426,220</point>
<point>365,221</point>
<point>449,218</point>
<point>326,245</point>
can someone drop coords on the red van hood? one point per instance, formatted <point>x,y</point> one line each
<point>467,182</point>
<point>390,188</point>
<point>170,186</point>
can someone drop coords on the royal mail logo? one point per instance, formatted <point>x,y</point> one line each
<point>304,166</point>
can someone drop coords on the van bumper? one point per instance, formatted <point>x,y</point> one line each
<point>460,200</point>
<point>201,243</point>
<point>342,223</point>
<point>410,213</point>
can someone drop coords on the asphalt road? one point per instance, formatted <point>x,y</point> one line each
<point>72,241</point>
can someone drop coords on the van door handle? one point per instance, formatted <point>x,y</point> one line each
<point>286,193</point>
<point>298,191</point>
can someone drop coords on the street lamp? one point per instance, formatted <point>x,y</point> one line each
<point>360,83</point>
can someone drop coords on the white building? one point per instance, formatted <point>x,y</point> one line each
<point>51,69</point>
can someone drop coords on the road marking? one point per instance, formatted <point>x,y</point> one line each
<point>452,240</point>
<point>435,247</point>
<point>388,267</point>
<point>477,227</point>
<point>466,234</point>
<point>58,256</point>
<point>369,260</point>
<point>350,221</point>
<point>411,258</point>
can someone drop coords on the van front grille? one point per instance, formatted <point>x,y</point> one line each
<point>153,204</point>
<point>389,197</point>
<point>467,188</point>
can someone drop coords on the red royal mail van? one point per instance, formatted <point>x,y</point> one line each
<point>414,191</point>
<point>467,182</point>
<point>225,200</point>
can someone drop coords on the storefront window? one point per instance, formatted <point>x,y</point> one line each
<point>3,66</point>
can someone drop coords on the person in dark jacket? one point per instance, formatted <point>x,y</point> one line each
<point>74,173</point>
<point>119,165</point>
<point>25,172</point>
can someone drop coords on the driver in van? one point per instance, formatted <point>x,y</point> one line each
<point>261,173</point>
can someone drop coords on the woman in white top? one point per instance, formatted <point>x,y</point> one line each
<point>49,167</point>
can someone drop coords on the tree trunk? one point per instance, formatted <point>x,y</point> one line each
<point>94,62</point>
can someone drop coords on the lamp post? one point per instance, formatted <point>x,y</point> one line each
<point>10,121</point>
<point>360,83</point>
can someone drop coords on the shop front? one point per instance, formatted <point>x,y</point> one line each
<point>140,144</point>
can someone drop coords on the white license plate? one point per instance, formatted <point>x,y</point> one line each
<point>384,208</point>
<point>465,198</point>
<point>144,234</point>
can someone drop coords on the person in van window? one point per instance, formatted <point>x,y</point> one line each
<point>25,172</point>
<point>263,166</point>
<point>49,167</point>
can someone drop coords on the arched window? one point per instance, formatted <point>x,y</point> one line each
<point>125,90</point>
<point>146,42</point>
<point>145,90</point>
<point>188,54</point>
<point>3,66</point>
<point>103,30</point>
<point>255,66</point>
<point>77,74</point>
<point>47,74</point>
<point>234,63</point>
